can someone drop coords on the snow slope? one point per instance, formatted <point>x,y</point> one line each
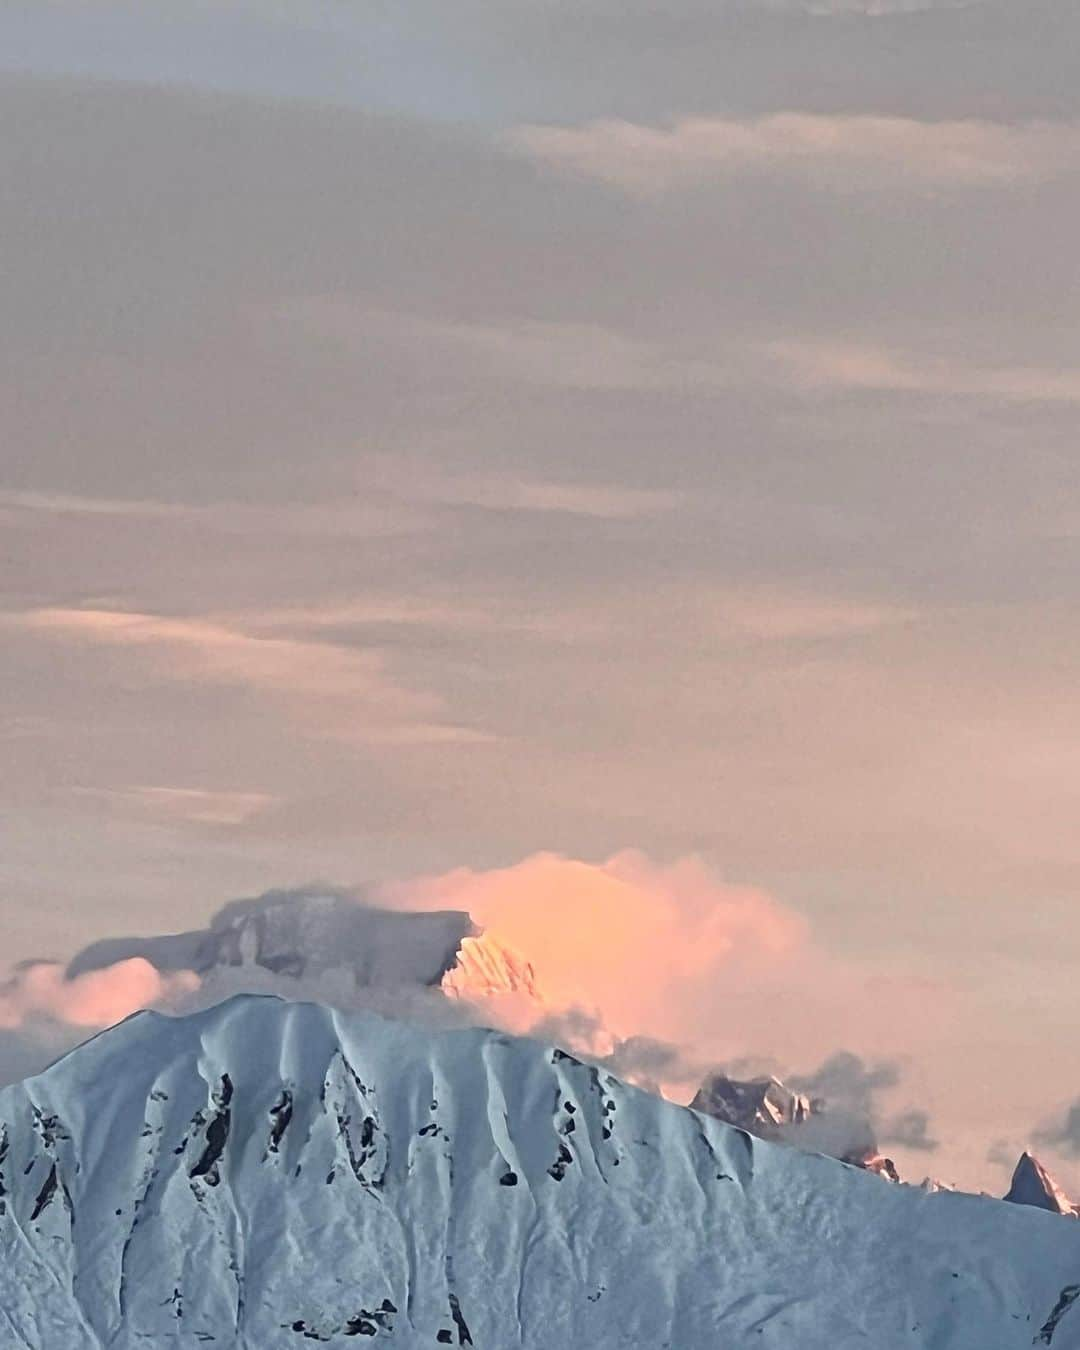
<point>268,1174</point>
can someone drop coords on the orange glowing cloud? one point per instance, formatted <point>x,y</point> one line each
<point>635,940</point>
<point>97,998</point>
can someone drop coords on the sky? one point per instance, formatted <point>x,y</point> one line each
<point>454,449</point>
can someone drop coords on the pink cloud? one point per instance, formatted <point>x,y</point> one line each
<point>95,999</point>
<point>635,940</point>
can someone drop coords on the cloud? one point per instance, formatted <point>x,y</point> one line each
<point>347,689</point>
<point>629,956</point>
<point>776,614</point>
<point>654,969</point>
<point>315,943</point>
<point>817,364</point>
<point>845,1078</point>
<point>594,357</point>
<point>856,153</point>
<point>561,354</point>
<point>600,501</point>
<point>339,518</point>
<point>656,1065</point>
<point>622,951</point>
<point>97,998</point>
<point>909,1129</point>
<point>196,806</point>
<point>869,9</point>
<point>1063,1134</point>
<point>1003,1153</point>
<point>845,1119</point>
<point>634,939</point>
<point>850,1121</point>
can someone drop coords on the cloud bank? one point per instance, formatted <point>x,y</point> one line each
<point>631,938</point>
<point>623,952</point>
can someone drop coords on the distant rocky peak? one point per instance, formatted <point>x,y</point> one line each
<point>1033,1185</point>
<point>761,1106</point>
<point>771,1110</point>
<point>875,1162</point>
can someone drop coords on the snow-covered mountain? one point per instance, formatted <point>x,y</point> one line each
<point>268,1174</point>
<point>311,936</point>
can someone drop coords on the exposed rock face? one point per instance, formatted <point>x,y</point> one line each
<point>268,1174</point>
<point>933,1184</point>
<point>876,1163</point>
<point>1033,1185</point>
<point>759,1105</point>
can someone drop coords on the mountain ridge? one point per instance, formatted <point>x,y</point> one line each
<point>266,1174</point>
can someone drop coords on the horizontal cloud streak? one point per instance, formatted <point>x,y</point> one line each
<point>829,364</point>
<point>345,688</point>
<point>198,806</point>
<point>853,152</point>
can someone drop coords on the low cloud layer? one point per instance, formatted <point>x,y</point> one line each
<point>95,999</point>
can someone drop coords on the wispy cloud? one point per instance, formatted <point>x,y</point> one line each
<point>815,364</point>
<point>367,517</point>
<point>600,501</point>
<point>561,354</point>
<point>348,691</point>
<point>854,152</point>
<point>597,357</point>
<point>869,9</point>
<point>777,614</point>
<point>196,806</point>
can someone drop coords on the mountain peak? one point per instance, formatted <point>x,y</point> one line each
<point>762,1106</point>
<point>1033,1185</point>
<point>485,968</point>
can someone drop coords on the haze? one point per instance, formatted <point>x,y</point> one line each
<point>593,446</point>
